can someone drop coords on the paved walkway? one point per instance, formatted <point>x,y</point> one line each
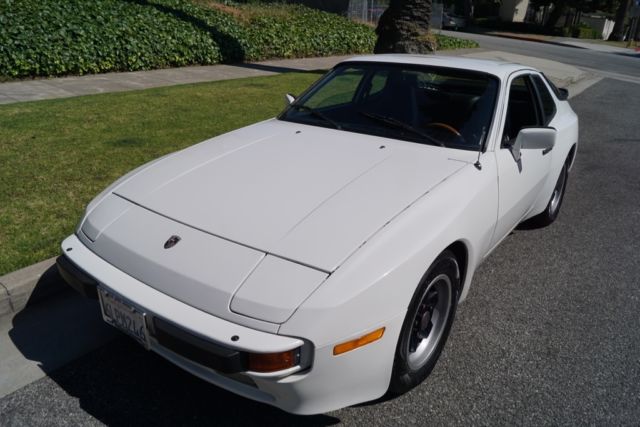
<point>64,87</point>
<point>32,90</point>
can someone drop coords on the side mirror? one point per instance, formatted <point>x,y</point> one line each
<point>537,138</point>
<point>289,99</point>
<point>563,94</point>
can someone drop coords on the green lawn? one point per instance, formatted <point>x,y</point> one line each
<point>56,155</point>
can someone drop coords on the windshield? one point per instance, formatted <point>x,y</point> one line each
<point>429,105</point>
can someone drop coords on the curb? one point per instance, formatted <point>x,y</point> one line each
<point>28,286</point>
<point>532,39</point>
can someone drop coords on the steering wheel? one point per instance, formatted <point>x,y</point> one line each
<point>444,126</point>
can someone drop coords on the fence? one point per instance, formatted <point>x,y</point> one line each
<point>371,10</point>
<point>367,10</point>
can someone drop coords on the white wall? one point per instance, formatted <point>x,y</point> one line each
<point>513,10</point>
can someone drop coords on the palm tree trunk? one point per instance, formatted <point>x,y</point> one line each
<point>621,16</point>
<point>404,28</point>
<point>558,10</point>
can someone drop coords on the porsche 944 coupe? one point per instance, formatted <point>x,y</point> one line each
<point>315,260</point>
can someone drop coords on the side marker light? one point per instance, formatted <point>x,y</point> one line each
<point>358,342</point>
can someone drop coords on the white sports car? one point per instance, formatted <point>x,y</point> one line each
<point>315,260</point>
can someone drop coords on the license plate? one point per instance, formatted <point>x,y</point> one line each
<point>123,316</point>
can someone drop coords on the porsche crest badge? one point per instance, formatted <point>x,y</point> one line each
<point>171,242</point>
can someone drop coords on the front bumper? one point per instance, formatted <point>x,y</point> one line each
<point>330,383</point>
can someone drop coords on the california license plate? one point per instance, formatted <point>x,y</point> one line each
<point>123,316</point>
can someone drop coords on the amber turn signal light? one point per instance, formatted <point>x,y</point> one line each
<point>272,362</point>
<point>358,342</point>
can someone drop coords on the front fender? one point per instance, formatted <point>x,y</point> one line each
<point>379,279</point>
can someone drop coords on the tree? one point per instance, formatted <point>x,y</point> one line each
<point>561,7</point>
<point>621,17</point>
<point>404,28</point>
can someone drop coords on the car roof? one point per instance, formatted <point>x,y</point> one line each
<point>498,68</point>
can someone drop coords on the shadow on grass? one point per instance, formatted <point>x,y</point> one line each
<point>125,142</point>
<point>231,49</point>
<point>276,68</point>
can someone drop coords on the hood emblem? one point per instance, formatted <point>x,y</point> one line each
<point>171,242</point>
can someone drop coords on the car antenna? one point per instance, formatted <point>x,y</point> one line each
<point>477,164</point>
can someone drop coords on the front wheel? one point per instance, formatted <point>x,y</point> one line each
<point>427,324</point>
<point>553,207</point>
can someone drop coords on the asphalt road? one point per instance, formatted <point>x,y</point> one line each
<point>609,64</point>
<point>548,336</point>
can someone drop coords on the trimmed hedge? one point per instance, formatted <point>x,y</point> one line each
<point>584,31</point>
<point>53,37</point>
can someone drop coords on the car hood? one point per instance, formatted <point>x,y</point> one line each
<point>308,194</point>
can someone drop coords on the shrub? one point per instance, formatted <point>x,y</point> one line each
<point>49,37</point>
<point>446,42</point>
<point>584,31</point>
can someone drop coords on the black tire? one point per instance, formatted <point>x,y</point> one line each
<point>552,210</point>
<point>417,353</point>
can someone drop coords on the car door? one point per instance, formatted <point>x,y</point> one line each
<point>519,182</point>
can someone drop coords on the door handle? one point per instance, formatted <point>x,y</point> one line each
<point>546,150</point>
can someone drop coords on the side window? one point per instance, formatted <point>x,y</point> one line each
<point>548,104</point>
<point>340,90</point>
<point>377,83</point>
<point>522,109</point>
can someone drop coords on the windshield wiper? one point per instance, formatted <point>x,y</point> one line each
<point>401,125</point>
<point>318,114</point>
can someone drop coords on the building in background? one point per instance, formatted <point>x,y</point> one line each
<point>514,10</point>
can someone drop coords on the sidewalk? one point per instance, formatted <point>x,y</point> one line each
<point>64,87</point>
